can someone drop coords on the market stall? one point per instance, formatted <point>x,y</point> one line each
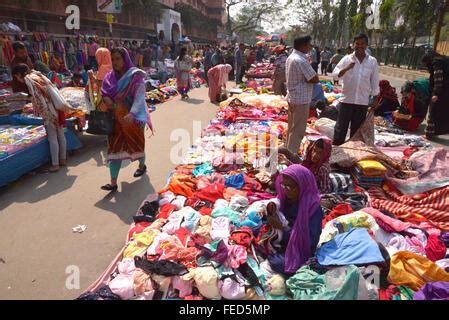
<point>213,231</point>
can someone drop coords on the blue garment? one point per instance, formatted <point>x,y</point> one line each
<point>236,181</point>
<point>318,93</point>
<point>238,58</point>
<point>353,247</point>
<point>202,170</point>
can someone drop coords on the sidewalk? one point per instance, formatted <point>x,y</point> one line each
<point>403,73</point>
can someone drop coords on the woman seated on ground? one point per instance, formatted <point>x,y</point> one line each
<point>412,111</point>
<point>218,77</point>
<point>317,161</point>
<point>388,99</point>
<point>300,204</point>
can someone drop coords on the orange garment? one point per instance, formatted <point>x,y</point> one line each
<point>230,192</point>
<point>413,270</point>
<point>182,185</point>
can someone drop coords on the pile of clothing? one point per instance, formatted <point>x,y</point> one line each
<point>369,174</point>
<point>14,138</point>
<point>260,70</point>
<point>208,233</point>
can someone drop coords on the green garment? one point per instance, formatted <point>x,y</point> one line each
<point>337,284</point>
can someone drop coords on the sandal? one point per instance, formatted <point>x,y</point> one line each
<point>140,172</point>
<point>109,187</point>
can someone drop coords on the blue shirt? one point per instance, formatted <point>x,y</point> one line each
<point>318,92</point>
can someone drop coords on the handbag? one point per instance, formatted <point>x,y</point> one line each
<point>101,123</point>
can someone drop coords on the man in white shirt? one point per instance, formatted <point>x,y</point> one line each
<point>360,75</point>
<point>300,80</point>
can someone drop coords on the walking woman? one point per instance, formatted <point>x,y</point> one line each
<point>183,65</point>
<point>123,92</point>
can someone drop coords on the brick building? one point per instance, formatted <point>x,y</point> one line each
<point>200,19</point>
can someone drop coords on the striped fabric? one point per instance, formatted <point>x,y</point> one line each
<point>434,207</point>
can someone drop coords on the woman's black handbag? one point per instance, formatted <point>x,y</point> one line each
<point>101,123</point>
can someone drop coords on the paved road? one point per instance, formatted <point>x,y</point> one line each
<point>37,212</point>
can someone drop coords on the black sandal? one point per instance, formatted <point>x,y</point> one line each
<point>109,187</point>
<point>140,172</point>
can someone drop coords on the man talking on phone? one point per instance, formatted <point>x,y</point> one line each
<point>360,75</point>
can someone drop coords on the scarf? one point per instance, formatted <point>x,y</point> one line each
<point>387,91</point>
<point>103,57</point>
<point>325,155</point>
<point>298,248</point>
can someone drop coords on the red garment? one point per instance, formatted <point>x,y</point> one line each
<point>166,210</point>
<point>197,239</point>
<point>435,248</point>
<point>409,152</point>
<point>243,236</point>
<point>211,193</point>
<point>340,210</point>
<point>205,211</point>
<point>183,235</point>
<point>251,184</point>
<point>138,228</point>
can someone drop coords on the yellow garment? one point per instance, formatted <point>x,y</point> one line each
<point>140,243</point>
<point>205,226</point>
<point>413,270</point>
<point>372,167</point>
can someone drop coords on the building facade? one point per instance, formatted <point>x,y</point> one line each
<point>138,19</point>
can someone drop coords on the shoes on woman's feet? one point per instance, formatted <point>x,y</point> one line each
<point>109,187</point>
<point>54,169</point>
<point>140,172</point>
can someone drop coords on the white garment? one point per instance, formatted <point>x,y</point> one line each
<point>361,81</point>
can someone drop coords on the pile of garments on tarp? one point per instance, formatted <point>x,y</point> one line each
<point>260,70</point>
<point>11,102</point>
<point>14,138</point>
<point>216,229</point>
<point>260,86</point>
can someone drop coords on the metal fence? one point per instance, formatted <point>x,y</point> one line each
<point>407,57</point>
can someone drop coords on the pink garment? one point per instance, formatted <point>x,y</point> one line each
<point>123,286</point>
<point>174,222</point>
<point>218,77</point>
<point>184,286</point>
<point>395,224</point>
<point>210,179</point>
<point>126,266</point>
<point>237,255</point>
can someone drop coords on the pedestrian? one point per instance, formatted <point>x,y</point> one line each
<point>279,77</point>
<point>336,58</point>
<point>20,57</point>
<point>123,91</point>
<point>325,58</point>
<point>314,58</point>
<point>238,56</point>
<point>183,66</point>
<point>70,53</point>
<point>218,77</point>
<point>438,119</point>
<point>104,62</point>
<point>360,75</point>
<point>300,80</point>
<point>260,54</point>
<point>217,57</point>
<point>47,104</point>
<point>207,61</point>
<point>91,51</point>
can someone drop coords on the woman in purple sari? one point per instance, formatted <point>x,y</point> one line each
<point>300,203</point>
<point>123,91</point>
